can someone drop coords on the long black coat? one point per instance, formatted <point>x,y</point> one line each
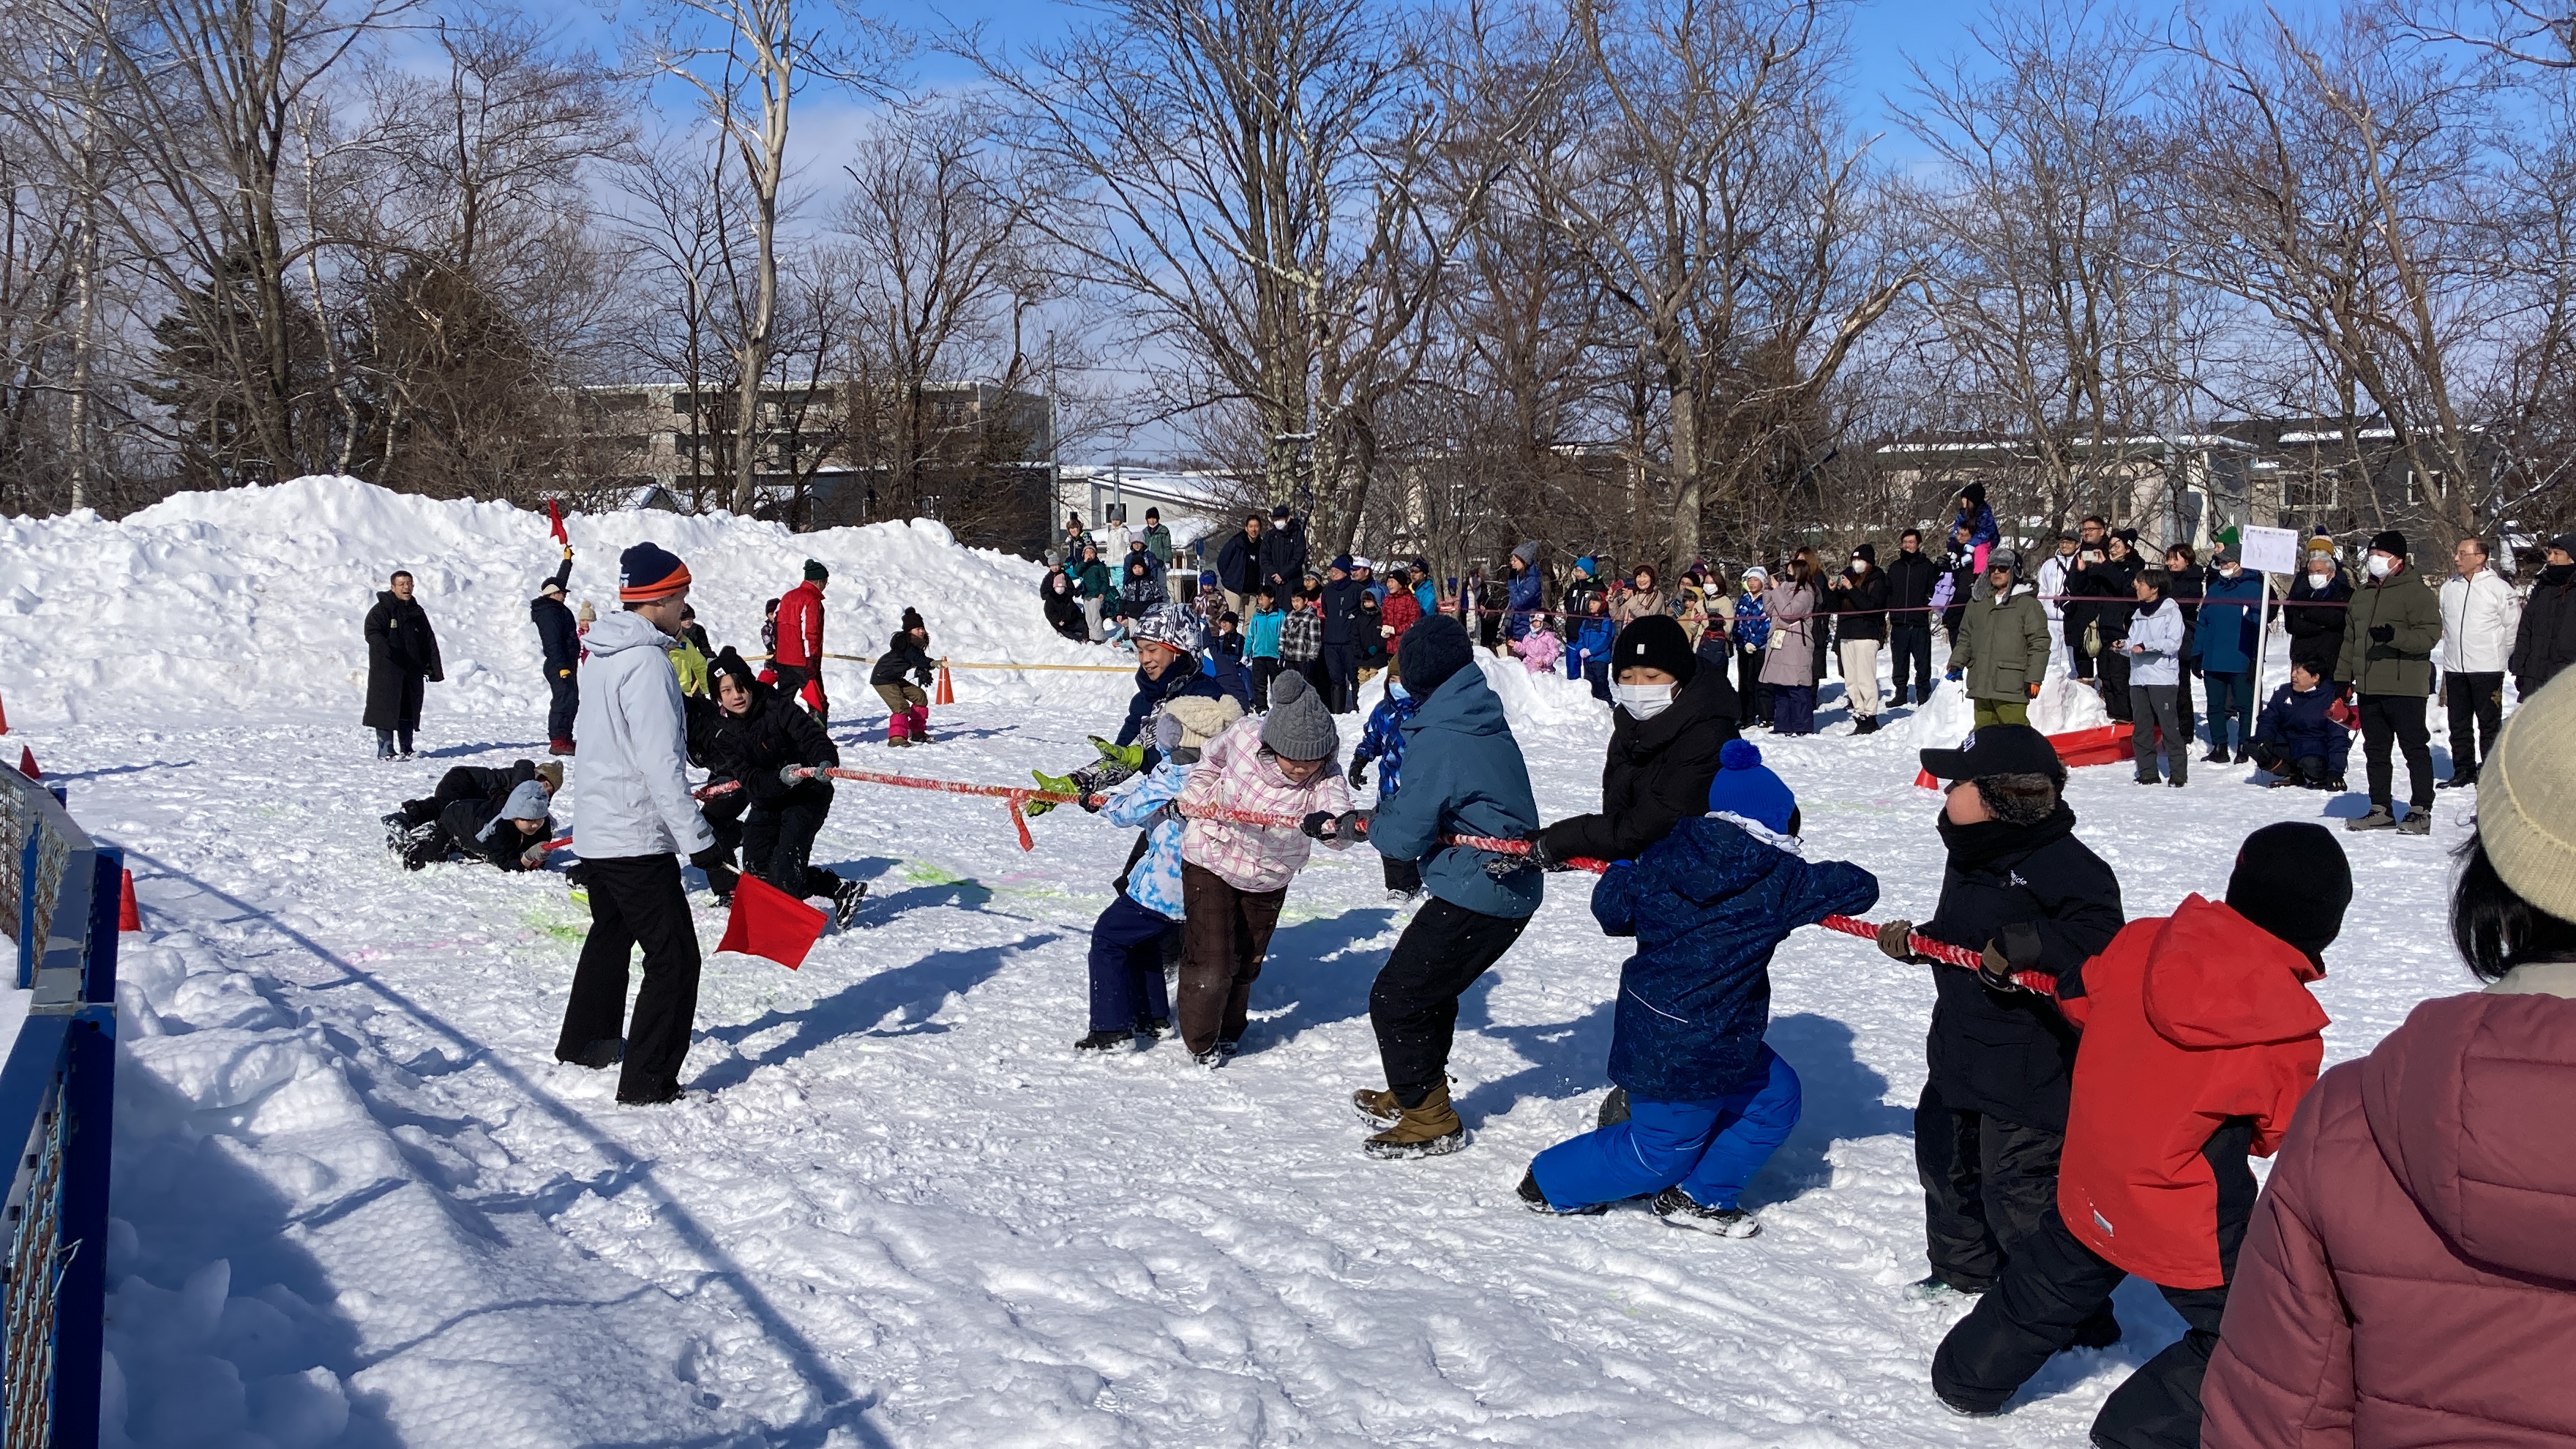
<point>401,652</point>
<point>1911,577</point>
<point>1283,552</point>
<point>1342,611</point>
<point>1238,565</point>
<point>2104,594</point>
<point>1859,611</point>
<point>1658,773</point>
<point>2009,1054</point>
<point>752,746</point>
<point>2546,642</point>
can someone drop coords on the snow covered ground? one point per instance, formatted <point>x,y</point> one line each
<point>359,1203</point>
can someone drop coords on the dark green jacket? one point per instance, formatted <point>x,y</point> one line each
<point>2404,664</point>
<point>2002,648</point>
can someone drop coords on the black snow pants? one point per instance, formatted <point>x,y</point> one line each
<point>2397,719</point>
<point>634,900</point>
<point>1987,1186</point>
<point>566,704</point>
<point>778,839</point>
<point>2056,1284</point>
<point>1414,1003</point>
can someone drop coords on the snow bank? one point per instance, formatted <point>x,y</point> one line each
<point>251,600</point>
<point>2064,706</point>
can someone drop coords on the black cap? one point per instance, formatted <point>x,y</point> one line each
<point>1997,749</point>
<point>2389,542</point>
<point>2293,880</point>
<point>1654,641</point>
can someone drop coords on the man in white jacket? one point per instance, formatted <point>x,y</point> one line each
<point>2480,613</point>
<point>632,818</point>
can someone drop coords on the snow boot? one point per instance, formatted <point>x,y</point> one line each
<point>2379,818</point>
<point>1101,1041</point>
<point>1868,725</point>
<point>1376,1107</point>
<point>1218,1055</point>
<point>2099,1331</point>
<point>1937,1289</point>
<point>1153,1029</point>
<point>920,717</point>
<point>1430,1130</point>
<point>1681,1210</point>
<point>845,902</point>
<point>2417,822</point>
<point>1536,1201</point>
<point>600,1055</point>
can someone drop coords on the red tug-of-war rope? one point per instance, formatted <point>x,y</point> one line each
<point>1921,945</point>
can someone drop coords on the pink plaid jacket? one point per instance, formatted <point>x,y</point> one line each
<point>1234,774</point>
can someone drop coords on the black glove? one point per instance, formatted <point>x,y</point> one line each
<point>1318,826</point>
<point>1353,826</point>
<point>1358,772</point>
<point>1538,858</point>
<point>2383,633</point>
<point>1092,802</point>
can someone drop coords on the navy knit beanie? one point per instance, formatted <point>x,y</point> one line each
<point>649,571</point>
<point>1433,649</point>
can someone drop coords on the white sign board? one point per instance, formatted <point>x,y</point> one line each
<point>2272,550</point>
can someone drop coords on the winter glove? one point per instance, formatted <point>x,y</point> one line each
<point>1538,858</point>
<point>2016,950</point>
<point>1351,828</point>
<point>1892,939</point>
<point>1953,676</point>
<point>1053,785</point>
<point>563,674</point>
<point>792,776</point>
<point>2034,690</point>
<point>1318,825</point>
<point>1131,756</point>
<point>2383,633</point>
<point>1358,772</point>
<point>534,857</point>
<point>1092,804</point>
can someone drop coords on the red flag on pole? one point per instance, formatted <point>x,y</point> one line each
<point>555,516</point>
<point>767,921</point>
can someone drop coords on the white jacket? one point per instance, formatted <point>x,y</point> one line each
<point>630,782</point>
<point>2156,636</point>
<point>2052,582</point>
<point>2479,617</point>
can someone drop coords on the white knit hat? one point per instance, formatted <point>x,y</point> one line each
<point>2527,799</point>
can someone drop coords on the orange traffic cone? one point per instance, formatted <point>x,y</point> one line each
<point>946,693</point>
<point>129,916</point>
<point>4,719</point>
<point>27,763</point>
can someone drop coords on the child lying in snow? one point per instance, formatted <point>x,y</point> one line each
<point>1128,1003</point>
<point>1708,1101</point>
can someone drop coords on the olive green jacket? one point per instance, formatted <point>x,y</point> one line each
<point>2003,647</point>
<point>2403,665</point>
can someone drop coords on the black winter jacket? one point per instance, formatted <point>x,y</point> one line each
<point>1342,611</point>
<point>1911,577</point>
<point>2546,642</point>
<point>1283,552</point>
<point>463,823</point>
<point>1064,615</point>
<point>1238,564</point>
<point>1658,773</point>
<point>2316,631</point>
<point>557,632</point>
<point>903,654</point>
<point>752,746</point>
<point>2104,594</point>
<point>1860,610</point>
<point>2009,1054</point>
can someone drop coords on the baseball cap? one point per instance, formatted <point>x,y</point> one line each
<point>1997,749</point>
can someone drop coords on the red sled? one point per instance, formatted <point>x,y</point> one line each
<point>2108,745</point>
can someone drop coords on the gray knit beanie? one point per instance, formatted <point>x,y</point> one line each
<point>1299,726</point>
<point>2527,800</point>
<point>527,802</point>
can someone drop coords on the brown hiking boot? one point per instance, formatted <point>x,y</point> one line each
<point>1429,1130</point>
<point>1376,1107</point>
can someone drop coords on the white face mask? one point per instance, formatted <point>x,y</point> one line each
<point>2231,571</point>
<point>2381,565</point>
<point>1643,701</point>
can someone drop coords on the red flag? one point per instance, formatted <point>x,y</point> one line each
<point>555,516</point>
<point>767,921</point>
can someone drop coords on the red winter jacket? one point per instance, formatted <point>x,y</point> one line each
<point>2410,1274</point>
<point>1400,612</point>
<point>2188,1020</point>
<point>800,626</point>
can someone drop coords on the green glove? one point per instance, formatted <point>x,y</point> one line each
<point>1053,785</point>
<point>1131,756</point>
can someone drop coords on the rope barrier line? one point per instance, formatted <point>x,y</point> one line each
<point>992,664</point>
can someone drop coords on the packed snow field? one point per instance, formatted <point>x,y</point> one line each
<point>358,1202</point>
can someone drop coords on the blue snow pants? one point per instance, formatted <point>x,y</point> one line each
<point>1127,986</point>
<point>1711,1148</point>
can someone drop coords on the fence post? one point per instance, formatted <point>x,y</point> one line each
<point>89,1105</point>
<point>29,948</point>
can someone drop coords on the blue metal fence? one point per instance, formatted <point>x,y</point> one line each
<point>57,1098</point>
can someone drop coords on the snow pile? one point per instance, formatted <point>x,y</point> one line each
<point>251,600</point>
<point>2064,706</point>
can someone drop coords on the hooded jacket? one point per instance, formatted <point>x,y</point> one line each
<point>1463,775</point>
<point>2011,1054</point>
<point>2189,1020</point>
<point>557,633</point>
<point>2314,618</point>
<point>2410,1275</point>
<point>632,795</point>
<point>2299,725</point>
<point>2229,610</point>
<point>1238,564</point>
<point>1658,772</point>
<point>903,655</point>
<point>2002,647</point>
<point>1527,594</point>
<point>1708,904</point>
<point>2479,617</point>
<point>752,746</point>
<point>800,627</point>
<point>2156,634</point>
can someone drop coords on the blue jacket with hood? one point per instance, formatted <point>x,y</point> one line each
<point>1463,775</point>
<point>1708,904</point>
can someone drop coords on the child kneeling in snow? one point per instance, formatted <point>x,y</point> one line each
<point>1708,1101</point>
<point>1234,876</point>
<point>1128,1001</point>
<point>2199,1040</point>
